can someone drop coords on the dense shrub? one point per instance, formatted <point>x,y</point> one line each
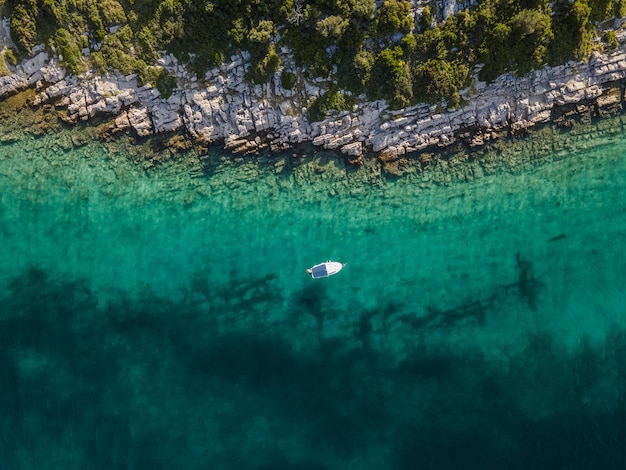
<point>287,80</point>
<point>111,12</point>
<point>603,9</point>
<point>116,54</point>
<point>360,70</point>
<point>158,78</point>
<point>390,78</point>
<point>23,29</point>
<point>573,30</point>
<point>10,56</point>
<point>394,17</point>
<point>165,83</point>
<point>610,38</point>
<point>70,54</point>
<point>332,99</point>
<point>426,19</point>
<point>4,70</point>
<point>531,33</point>
<point>265,69</point>
<point>438,79</point>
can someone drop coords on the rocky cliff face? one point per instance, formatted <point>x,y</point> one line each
<point>226,108</point>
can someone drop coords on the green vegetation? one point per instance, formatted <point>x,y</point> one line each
<point>390,78</point>
<point>610,38</point>
<point>69,52</point>
<point>332,99</point>
<point>574,31</point>
<point>385,51</point>
<point>23,28</point>
<point>116,53</point>
<point>10,56</point>
<point>394,17</point>
<point>436,80</point>
<point>288,80</point>
<point>265,68</point>
<point>4,70</point>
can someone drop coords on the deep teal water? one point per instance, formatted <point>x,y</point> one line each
<point>162,318</point>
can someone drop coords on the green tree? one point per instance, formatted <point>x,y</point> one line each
<point>332,27</point>
<point>496,52</point>
<point>601,9</point>
<point>610,37</point>
<point>69,52</point>
<point>112,12</point>
<point>438,79</point>
<point>390,78</point>
<point>262,32</point>
<point>332,99</point>
<point>264,69</point>
<point>395,16</point>
<point>573,31</point>
<point>23,29</point>
<point>363,10</point>
<point>426,19</point>
<point>237,32</point>
<point>361,66</point>
<point>531,33</point>
<point>287,80</point>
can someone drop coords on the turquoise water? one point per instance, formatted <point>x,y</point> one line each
<point>161,317</point>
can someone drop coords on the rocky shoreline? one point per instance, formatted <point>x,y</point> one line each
<point>246,118</point>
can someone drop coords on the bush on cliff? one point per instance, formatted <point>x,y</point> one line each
<point>4,70</point>
<point>261,71</point>
<point>390,78</point>
<point>159,78</point>
<point>23,29</point>
<point>438,80</point>
<point>70,54</point>
<point>531,32</point>
<point>603,9</point>
<point>610,38</point>
<point>332,99</point>
<point>288,79</point>
<point>10,56</point>
<point>574,30</point>
<point>395,17</point>
<point>111,12</point>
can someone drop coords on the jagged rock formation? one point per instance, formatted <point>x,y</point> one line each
<point>226,108</point>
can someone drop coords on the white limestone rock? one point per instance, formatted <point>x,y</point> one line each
<point>52,73</point>
<point>12,84</point>
<point>355,149</point>
<point>140,122</point>
<point>166,119</point>
<point>121,122</point>
<point>113,105</point>
<point>30,66</point>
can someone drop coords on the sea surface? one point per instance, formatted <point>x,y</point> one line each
<point>159,316</point>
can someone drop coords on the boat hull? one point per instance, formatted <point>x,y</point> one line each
<point>329,268</point>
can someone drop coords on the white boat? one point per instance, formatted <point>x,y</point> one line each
<point>325,269</point>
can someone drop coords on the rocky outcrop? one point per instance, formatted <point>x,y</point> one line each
<point>224,107</point>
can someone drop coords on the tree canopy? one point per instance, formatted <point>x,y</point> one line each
<point>386,51</point>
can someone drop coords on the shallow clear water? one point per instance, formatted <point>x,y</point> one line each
<point>162,318</point>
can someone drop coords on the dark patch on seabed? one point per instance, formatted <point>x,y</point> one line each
<point>142,382</point>
<point>476,310</point>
